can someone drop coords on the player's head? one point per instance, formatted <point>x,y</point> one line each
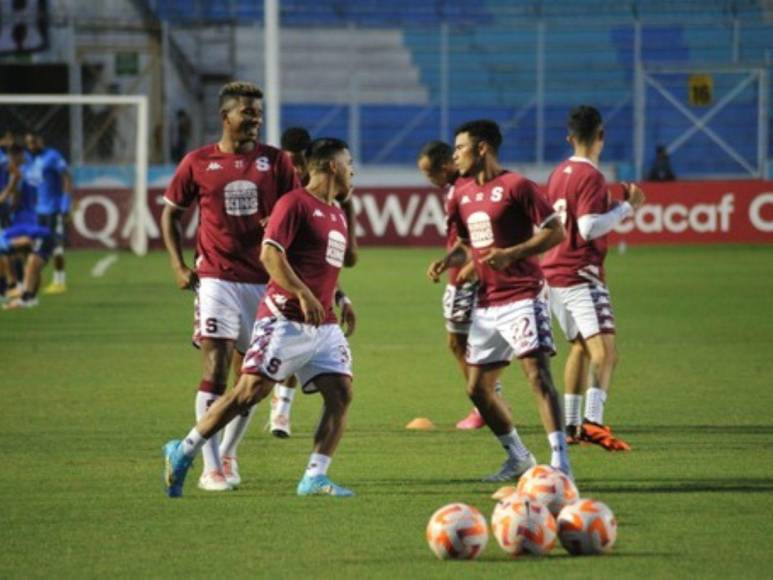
<point>241,110</point>
<point>6,140</point>
<point>436,162</point>
<point>33,141</point>
<point>330,157</point>
<point>586,129</point>
<point>295,141</point>
<point>475,142</point>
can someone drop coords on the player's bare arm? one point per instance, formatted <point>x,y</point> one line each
<point>350,256</point>
<point>279,269</point>
<point>171,229</point>
<point>456,257</point>
<point>348,316</point>
<point>551,234</point>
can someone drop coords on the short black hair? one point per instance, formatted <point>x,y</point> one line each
<point>15,149</point>
<point>438,153</point>
<point>482,130</point>
<point>295,140</point>
<point>238,89</point>
<point>322,151</point>
<point>584,123</point>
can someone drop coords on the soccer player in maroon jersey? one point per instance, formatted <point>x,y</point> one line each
<point>436,162</point>
<point>506,222</point>
<point>296,331</point>
<point>574,269</point>
<point>235,184</point>
<point>295,141</point>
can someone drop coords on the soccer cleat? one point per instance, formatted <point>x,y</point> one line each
<point>214,480</point>
<point>321,485</point>
<point>231,471</point>
<point>54,288</point>
<point>573,433</point>
<point>279,425</point>
<point>175,468</point>
<point>471,421</point>
<point>602,435</point>
<point>19,304</point>
<point>14,292</point>
<point>512,469</point>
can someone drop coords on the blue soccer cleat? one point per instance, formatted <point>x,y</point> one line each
<point>176,468</point>
<point>321,485</point>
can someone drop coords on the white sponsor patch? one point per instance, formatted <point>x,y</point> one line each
<point>481,233</point>
<point>336,248</point>
<point>241,198</point>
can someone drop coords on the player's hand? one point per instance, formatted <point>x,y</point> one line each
<point>633,194</point>
<point>496,259</point>
<point>186,278</point>
<point>313,313</point>
<point>264,222</point>
<point>348,317</point>
<point>466,273</point>
<point>436,269</point>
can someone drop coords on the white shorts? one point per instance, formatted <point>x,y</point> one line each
<point>458,304</point>
<point>498,333</point>
<point>583,310</point>
<point>281,348</point>
<point>226,310</point>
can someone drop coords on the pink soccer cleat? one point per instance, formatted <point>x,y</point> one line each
<point>471,421</point>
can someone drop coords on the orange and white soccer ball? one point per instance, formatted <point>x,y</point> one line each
<point>522,526</point>
<point>548,486</point>
<point>587,527</point>
<point>457,531</point>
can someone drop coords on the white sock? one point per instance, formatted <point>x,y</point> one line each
<point>59,277</point>
<point>234,433</point>
<point>192,443</point>
<point>283,400</point>
<point>210,451</point>
<point>594,405</point>
<point>318,464</point>
<point>558,455</point>
<point>513,445</point>
<point>572,404</point>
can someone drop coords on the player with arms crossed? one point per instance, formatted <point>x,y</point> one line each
<point>496,213</point>
<point>574,269</point>
<point>235,183</point>
<point>296,332</point>
<point>436,162</point>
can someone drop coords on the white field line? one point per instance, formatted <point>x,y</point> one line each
<point>103,264</point>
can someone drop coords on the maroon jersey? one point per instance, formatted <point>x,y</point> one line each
<point>500,214</point>
<point>451,234</point>
<point>234,193</point>
<point>576,188</point>
<point>312,234</point>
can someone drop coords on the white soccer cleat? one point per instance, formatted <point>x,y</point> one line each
<point>231,471</point>
<point>512,469</point>
<point>214,480</point>
<point>279,425</point>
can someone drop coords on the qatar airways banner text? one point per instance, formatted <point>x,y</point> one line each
<point>675,213</point>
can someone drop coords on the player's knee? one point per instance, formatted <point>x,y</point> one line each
<point>340,397</point>
<point>538,378</point>
<point>457,344</point>
<point>250,390</point>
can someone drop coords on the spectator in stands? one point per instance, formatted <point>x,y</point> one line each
<point>661,166</point>
<point>182,135</point>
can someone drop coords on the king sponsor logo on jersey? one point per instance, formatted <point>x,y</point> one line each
<point>241,198</point>
<point>336,248</point>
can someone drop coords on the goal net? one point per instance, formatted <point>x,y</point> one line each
<point>104,139</point>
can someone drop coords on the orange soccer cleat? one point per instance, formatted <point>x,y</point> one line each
<point>602,435</point>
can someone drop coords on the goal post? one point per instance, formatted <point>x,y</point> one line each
<point>23,111</point>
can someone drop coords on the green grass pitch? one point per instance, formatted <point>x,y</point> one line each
<point>93,382</point>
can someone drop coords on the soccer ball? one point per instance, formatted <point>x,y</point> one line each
<point>587,527</point>
<point>548,486</point>
<point>457,531</point>
<point>523,526</point>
